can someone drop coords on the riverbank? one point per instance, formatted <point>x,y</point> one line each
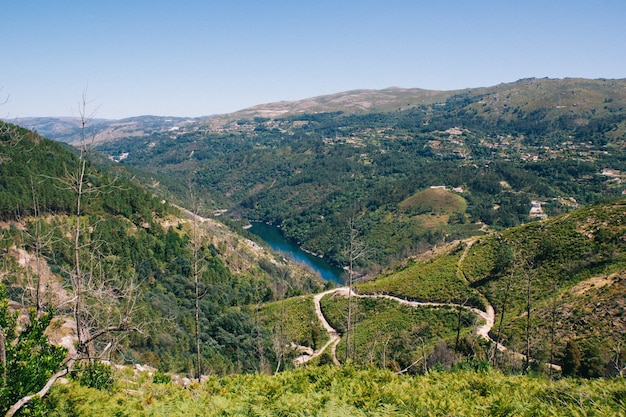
<point>273,236</point>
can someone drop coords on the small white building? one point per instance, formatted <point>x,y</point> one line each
<point>536,210</point>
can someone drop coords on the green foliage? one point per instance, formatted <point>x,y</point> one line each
<point>573,263</point>
<point>34,177</point>
<point>93,374</point>
<point>571,359</point>
<point>433,200</point>
<point>161,378</point>
<point>30,359</point>
<point>293,321</point>
<point>350,390</point>
<point>309,173</point>
<point>122,241</point>
<point>472,364</point>
<point>436,281</point>
<point>390,335</point>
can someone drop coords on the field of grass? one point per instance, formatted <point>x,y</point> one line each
<point>435,281</point>
<point>433,200</point>
<point>294,321</point>
<point>391,335</point>
<point>347,390</point>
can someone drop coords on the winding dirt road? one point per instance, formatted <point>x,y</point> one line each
<point>334,338</point>
<point>487,317</point>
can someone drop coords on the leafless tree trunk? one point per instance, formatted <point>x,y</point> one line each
<point>39,242</point>
<point>280,341</point>
<point>77,182</point>
<point>458,326</point>
<point>552,324</point>
<point>3,357</point>
<point>198,270</point>
<point>356,250</point>
<point>528,277</point>
<point>9,134</point>
<point>507,290</point>
<point>263,365</point>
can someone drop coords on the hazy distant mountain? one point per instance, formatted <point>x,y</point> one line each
<point>69,129</point>
<point>553,99</point>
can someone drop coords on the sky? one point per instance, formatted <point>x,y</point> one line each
<point>201,57</point>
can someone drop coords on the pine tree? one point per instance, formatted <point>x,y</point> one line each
<point>571,359</point>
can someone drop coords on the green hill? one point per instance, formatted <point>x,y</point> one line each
<point>437,281</point>
<point>567,272</point>
<point>316,165</point>
<point>127,242</point>
<point>435,201</point>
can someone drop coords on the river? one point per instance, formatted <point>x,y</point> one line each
<point>274,238</point>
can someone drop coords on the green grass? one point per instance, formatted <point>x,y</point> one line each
<point>435,281</point>
<point>433,200</point>
<point>348,390</point>
<point>300,326</point>
<point>388,334</point>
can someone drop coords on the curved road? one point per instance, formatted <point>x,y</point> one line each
<point>483,330</point>
<point>334,337</point>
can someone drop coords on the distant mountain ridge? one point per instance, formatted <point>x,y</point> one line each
<point>559,97</point>
<point>69,129</point>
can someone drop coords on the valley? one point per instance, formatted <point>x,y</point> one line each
<point>474,238</point>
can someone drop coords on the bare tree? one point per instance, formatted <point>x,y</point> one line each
<point>618,360</point>
<point>507,290</point>
<point>3,357</point>
<point>9,136</point>
<point>39,241</point>
<point>553,318</point>
<point>356,250</point>
<point>279,339</point>
<point>198,270</point>
<point>528,275</point>
<point>459,316</point>
<point>99,305</point>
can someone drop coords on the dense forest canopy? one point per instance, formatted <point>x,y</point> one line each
<point>499,148</point>
<point>128,235</point>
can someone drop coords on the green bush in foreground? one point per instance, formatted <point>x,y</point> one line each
<point>348,390</point>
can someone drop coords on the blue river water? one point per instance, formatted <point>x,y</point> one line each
<point>274,238</point>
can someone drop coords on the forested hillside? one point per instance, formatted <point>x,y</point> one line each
<point>426,204</point>
<point>559,142</point>
<point>110,272</point>
<point>553,284</point>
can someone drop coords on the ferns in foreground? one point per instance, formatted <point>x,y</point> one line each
<point>348,390</point>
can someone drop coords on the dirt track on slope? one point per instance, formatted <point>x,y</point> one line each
<point>334,338</point>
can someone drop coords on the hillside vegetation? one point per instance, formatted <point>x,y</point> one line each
<point>434,189</point>
<point>332,391</point>
<point>125,240</point>
<point>389,335</point>
<point>312,168</point>
<point>551,282</point>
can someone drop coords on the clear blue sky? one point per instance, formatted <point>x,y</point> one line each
<point>202,57</point>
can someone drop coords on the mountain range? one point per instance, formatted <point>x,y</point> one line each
<point>566,97</point>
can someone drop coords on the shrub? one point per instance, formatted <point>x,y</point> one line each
<point>96,375</point>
